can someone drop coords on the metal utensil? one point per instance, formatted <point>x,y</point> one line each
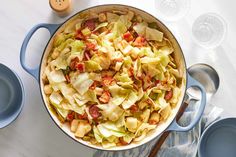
<point>209,78</point>
<point>163,137</point>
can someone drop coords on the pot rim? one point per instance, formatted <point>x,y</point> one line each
<point>41,61</point>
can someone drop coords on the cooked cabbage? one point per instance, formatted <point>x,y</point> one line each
<point>148,33</point>
<point>112,77</point>
<point>81,82</point>
<point>130,100</point>
<point>111,111</point>
<point>56,76</point>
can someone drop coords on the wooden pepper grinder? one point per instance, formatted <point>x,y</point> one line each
<point>61,7</point>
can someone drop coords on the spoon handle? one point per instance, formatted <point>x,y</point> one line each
<point>163,137</point>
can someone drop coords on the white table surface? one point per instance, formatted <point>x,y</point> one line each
<point>34,134</point>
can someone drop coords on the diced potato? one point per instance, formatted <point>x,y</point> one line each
<point>74,125</point>
<point>49,59</point>
<point>154,118</point>
<point>145,115</point>
<point>131,123</point>
<point>47,89</point>
<point>135,52</point>
<point>44,77</point>
<point>98,91</point>
<point>55,54</point>
<point>165,112</point>
<point>86,31</point>
<point>142,104</point>
<point>102,17</point>
<point>118,66</point>
<point>83,128</point>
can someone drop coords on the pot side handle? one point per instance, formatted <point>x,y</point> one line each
<point>51,28</point>
<point>191,83</point>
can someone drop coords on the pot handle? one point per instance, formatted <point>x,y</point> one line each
<point>174,126</point>
<point>51,28</point>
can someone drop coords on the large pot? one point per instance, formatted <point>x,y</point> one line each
<point>170,124</point>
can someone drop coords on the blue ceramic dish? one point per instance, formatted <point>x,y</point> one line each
<point>169,125</point>
<point>11,96</point>
<point>219,139</point>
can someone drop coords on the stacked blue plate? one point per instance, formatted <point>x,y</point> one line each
<point>11,96</point>
<point>219,139</point>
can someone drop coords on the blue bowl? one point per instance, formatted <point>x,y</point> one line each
<point>219,139</point>
<point>11,96</point>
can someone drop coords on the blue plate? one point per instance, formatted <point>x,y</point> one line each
<point>11,96</point>
<point>219,139</point>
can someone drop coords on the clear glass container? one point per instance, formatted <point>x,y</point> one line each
<point>172,10</point>
<point>209,30</point>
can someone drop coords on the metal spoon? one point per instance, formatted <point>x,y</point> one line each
<point>209,78</point>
